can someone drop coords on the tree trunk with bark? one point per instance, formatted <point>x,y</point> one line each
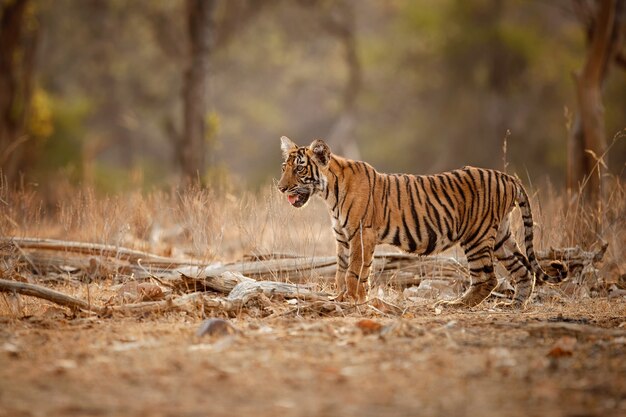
<point>193,146</point>
<point>341,23</point>
<point>18,43</point>
<point>587,148</point>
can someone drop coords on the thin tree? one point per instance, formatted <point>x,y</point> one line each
<point>340,22</point>
<point>18,43</point>
<point>587,148</point>
<point>338,19</point>
<point>193,145</point>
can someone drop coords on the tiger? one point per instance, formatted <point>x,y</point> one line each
<point>420,214</point>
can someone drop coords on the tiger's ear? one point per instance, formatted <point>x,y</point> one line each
<point>286,145</point>
<point>321,151</point>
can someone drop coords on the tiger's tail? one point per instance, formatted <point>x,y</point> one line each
<point>560,269</point>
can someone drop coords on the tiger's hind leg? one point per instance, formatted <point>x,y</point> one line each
<point>508,253</point>
<point>483,278</point>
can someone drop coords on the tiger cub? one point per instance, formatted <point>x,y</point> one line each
<point>421,214</point>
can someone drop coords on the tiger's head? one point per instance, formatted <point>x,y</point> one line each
<point>303,170</point>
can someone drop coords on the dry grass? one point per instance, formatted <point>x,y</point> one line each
<point>194,222</point>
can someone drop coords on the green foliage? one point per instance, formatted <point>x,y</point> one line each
<point>66,123</point>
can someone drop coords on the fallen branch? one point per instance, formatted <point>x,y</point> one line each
<point>95,249</point>
<point>48,294</point>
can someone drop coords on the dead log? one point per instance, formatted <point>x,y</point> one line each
<point>244,290</point>
<point>95,249</point>
<point>293,268</point>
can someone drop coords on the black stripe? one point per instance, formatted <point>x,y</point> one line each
<point>488,269</point>
<point>369,194</point>
<point>386,188</point>
<point>516,268</point>
<point>410,191</point>
<point>419,186</point>
<point>468,219</point>
<point>343,243</point>
<point>386,232</point>
<point>396,238</point>
<point>477,257</point>
<point>435,192</point>
<point>398,191</point>
<point>486,196</point>
<point>336,190</point>
<point>432,210</point>
<point>347,215</point>
<point>444,190</point>
<point>432,239</point>
<point>407,232</point>
<point>478,236</point>
<point>501,242</point>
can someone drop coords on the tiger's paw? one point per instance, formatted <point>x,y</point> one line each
<point>358,298</point>
<point>357,291</point>
<point>341,295</point>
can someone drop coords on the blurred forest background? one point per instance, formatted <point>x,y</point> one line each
<point>120,94</point>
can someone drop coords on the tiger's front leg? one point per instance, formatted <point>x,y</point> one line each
<point>342,265</point>
<point>362,247</point>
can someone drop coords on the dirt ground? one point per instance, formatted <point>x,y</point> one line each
<point>562,359</point>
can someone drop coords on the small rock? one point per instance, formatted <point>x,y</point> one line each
<point>431,289</point>
<point>11,349</point>
<point>217,328</point>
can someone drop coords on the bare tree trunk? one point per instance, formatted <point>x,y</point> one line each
<point>342,24</point>
<point>587,147</point>
<point>18,42</point>
<point>193,146</point>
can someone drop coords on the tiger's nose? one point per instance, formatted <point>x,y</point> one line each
<point>282,188</point>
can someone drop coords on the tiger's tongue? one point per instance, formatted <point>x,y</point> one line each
<point>292,198</point>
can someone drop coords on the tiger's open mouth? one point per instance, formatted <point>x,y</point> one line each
<point>298,198</point>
